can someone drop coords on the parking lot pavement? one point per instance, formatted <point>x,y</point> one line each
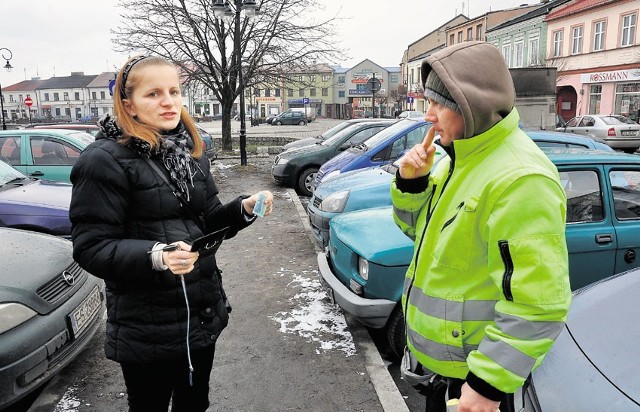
<point>311,129</point>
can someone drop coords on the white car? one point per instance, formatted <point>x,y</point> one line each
<point>411,114</point>
<point>619,132</point>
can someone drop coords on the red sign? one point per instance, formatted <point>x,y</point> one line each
<point>28,102</point>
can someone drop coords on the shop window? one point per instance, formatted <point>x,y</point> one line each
<point>595,97</point>
<point>628,100</point>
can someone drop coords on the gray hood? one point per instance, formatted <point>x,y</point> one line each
<point>478,80</point>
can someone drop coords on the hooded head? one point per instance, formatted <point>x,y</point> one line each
<point>473,79</point>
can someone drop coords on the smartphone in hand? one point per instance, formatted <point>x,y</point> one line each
<point>209,244</point>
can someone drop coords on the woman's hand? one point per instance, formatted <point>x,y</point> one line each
<point>472,401</point>
<point>250,202</point>
<point>181,260</point>
<point>418,161</point>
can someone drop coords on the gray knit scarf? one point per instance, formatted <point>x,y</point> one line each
<point>175,150</point>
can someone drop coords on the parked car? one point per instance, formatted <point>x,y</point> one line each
<point>34,204</point>
<point>290,118</point>
<point>384,147</point>
<point>297,167</point>
<point>411,114</point>
<point>369,187</point>
<point>325,135</point>
<point>89,128</point>
<point>43,153</point>
<point>603,238</point>
<point>209,147</point>
<point>588,368</point>
<point>50,309</point>
<point>619,132</point>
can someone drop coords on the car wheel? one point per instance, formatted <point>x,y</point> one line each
<point>278,123</point>
<point>301,123</point>
<point>305,180</point>
<point>395,333</point>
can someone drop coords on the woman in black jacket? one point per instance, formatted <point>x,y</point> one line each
<point>133,226</point>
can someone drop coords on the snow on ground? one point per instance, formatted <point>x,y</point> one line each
<point>313,317</point>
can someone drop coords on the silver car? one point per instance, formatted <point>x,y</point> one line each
<point>593,365</point>
<point>619,132</point>
<point>49,310</point>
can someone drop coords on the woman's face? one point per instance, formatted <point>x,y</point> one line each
<point>448,123</point>
<point>156,99</point>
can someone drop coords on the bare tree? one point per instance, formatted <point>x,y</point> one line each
<point>282,39</point>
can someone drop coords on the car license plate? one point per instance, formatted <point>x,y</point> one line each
<point>629,133</point>
<point>83,314</point>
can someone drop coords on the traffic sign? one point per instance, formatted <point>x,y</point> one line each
<point>409,99</point>
<point>112,84</point>
<point>373,85</point>
<point>28,102</point>
<point>305,100</point>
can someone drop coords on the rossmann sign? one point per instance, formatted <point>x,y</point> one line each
<point>613,76</point>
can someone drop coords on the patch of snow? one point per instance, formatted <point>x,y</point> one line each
<point>313,317</point>
<point>69,402</point>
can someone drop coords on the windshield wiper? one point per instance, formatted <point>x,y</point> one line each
<point>15,180</point>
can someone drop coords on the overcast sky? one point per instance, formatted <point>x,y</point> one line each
<point>56,37</point>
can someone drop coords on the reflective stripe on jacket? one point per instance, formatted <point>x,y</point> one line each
<point>488,288</point>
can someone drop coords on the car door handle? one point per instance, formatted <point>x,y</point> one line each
<point>37,173</point>
<point>604,238</point>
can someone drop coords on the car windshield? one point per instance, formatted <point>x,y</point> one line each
<point>340,134</point>
<point>613,120</point>
<point>392,130</point>
<point>8,173</point>
<point>335,129</point>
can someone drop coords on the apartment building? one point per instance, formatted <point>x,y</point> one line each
<point>594,46</point>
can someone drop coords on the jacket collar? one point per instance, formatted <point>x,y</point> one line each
<point>465,148</point>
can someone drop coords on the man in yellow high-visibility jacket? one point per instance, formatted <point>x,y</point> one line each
<point>487,291</point>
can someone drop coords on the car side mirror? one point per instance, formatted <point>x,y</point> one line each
<point>345,146</point>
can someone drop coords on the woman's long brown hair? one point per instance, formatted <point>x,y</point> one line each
<point>132,128</point>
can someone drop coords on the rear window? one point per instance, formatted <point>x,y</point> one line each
<point>613,120</point>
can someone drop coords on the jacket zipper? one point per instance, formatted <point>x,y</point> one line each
<point>508,269</point>
<point>448,222</point>
<point>429,213</point>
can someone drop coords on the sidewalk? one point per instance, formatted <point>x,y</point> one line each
<point>287,347</point>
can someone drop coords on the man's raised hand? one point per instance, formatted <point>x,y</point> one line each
<point>418,161</point>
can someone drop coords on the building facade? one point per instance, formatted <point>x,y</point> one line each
<point>594,46</point>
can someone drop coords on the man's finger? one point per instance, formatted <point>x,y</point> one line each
<point>428,138</point>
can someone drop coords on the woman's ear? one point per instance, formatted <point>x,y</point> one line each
<point>128,107</point>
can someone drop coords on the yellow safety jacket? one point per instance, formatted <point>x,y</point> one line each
<point>487,291</point>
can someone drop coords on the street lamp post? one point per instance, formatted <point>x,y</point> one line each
<point>8,67</point>
<point>222,8</point>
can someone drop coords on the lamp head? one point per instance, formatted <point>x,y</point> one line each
<point>218,8</point>
<point>8,66</point>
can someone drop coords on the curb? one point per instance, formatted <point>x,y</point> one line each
<point>389,396</point>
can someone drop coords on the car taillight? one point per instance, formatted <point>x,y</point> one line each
<point>611,132</point>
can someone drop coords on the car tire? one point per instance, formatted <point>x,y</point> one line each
<point>278,123</point>
<point>305,180</point>
<point>394,332</point>
<point>301,123</point>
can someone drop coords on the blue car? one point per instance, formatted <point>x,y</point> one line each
<point>34,204</point>
<point>368,255</point>
<point>366,188</point>
<point>383,148</point>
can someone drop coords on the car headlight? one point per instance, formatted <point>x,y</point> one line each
<point>330,175</point>
<point>282,161</point>
<point>363,268</point>
<point>335,202</point>
<point>12,315</point>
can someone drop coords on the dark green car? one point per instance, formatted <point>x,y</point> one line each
<point>297,167</point>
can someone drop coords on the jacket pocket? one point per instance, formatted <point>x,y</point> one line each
<point>456,236</point>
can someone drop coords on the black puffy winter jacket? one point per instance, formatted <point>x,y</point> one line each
<point>119,209</point>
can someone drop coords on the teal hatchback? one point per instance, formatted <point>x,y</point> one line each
<point>43,153</point>
<point>367,256</point>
